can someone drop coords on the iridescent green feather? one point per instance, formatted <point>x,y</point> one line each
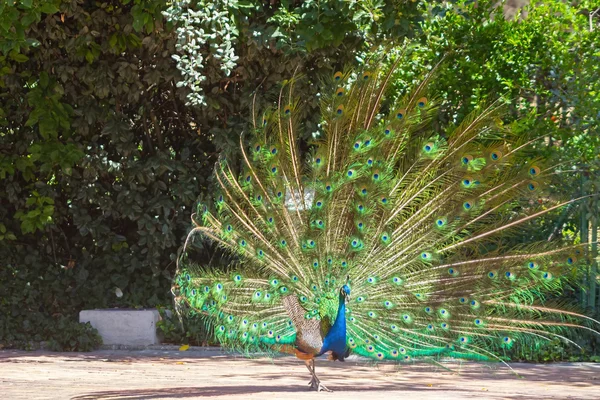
<point>422,224</point>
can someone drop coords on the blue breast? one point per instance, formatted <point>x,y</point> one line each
<point>335,340</point>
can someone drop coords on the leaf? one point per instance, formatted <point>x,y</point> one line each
<point>89,56</point>
<point>44,80</point>
<point>113,40</point>
<point>48,8</point>
<point>32,42</point>
<point>18,57</point>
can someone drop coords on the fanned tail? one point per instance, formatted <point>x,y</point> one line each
<point>423,222</point>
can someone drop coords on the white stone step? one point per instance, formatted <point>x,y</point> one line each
<point>123,326</point>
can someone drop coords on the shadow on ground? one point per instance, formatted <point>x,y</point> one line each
<point>197,392</point>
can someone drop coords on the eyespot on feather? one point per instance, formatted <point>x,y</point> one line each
<point>534,170</point>
<point>466,159</point>
<point>532,186</point>
<point>496,155</point>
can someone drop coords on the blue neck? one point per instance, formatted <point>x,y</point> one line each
<point>340,320</point>
<point>335,339</point>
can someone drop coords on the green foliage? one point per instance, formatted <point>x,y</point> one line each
<point>100,159</point>
<point>202,24</point>
<point>193,331</point>
<point>72,336</point>
<point>553,351</point>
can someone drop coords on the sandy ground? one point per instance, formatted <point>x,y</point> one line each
<point>153,374</point>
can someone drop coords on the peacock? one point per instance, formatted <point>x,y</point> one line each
<point>388,238</point>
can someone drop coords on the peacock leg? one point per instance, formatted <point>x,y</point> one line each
<point>310,365</point>
<point>315,383</point>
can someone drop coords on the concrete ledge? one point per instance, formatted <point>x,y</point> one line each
<point>124,327</point>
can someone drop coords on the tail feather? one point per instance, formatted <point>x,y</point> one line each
<point>423,222</point>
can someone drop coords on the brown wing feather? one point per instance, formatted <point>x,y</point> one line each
<point>308,331</point>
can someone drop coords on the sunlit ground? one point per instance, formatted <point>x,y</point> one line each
<point>152,374</point>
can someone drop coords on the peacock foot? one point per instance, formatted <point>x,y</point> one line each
<point>315,384</point>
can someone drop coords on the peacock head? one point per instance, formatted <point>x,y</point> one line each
<point>345,293</point>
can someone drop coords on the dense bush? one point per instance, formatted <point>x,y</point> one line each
<point>102,155</point>
<point>101,160</point>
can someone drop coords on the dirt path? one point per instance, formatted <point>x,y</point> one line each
<point>152,374</point>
